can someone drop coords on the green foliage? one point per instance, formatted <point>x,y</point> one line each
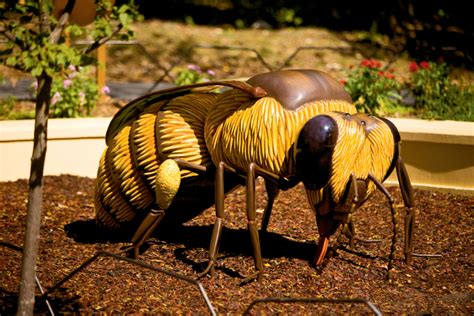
<point>373,90</point>
<point>287,17</point>
<point>6,110</point>
<point>74,93</point>
<point>6,105</point>
<point>193,74</point>
<point>436,96</point>
<point>40,53</point>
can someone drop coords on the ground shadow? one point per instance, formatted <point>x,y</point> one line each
<point>87,232</point>
<point>59,304</point>
<point>233,241</point>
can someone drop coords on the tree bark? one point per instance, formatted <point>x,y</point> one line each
<point>35,199</point>
<point>26,299</point>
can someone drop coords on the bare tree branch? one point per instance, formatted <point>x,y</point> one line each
<point>103,40</point>
<point>62,22</point>
<point>10,36</point>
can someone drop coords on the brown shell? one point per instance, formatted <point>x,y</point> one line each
<point>293,88</point>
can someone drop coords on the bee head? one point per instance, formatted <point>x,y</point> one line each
<point>314,150</point>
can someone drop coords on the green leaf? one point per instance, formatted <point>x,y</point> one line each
<point>36,72</point>
<point>11,61</point>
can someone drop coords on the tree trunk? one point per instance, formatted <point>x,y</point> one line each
<point>26,299</point>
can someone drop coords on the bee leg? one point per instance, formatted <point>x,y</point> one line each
<point>168,180</point>
<point>252,225</point>
<point>348,228</point>
<point>393,210</point>
<point>146,228</point>
<point>272,185</point>
<point>272,194</point>
<point>217,230</point>
<point>407,194</point>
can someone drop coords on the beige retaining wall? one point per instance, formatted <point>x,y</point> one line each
<point>74,147</point>
<point>438,154</point>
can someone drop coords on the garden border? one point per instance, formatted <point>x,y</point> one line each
<point>439,154</point>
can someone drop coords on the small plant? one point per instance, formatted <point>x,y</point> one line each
<point>73,94</point>
<point>438,97</point>
<point>8,111</point>
<point>373,89</point>
<point>6,106</point>
<point>287,17</point>
<point>193,74</point>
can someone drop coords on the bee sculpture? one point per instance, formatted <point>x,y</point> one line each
<point>173,153</point>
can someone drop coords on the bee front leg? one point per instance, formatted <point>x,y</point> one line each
<point>143,232</point>
<point>168,180</point>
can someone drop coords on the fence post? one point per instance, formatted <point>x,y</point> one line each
<point>101,66</point>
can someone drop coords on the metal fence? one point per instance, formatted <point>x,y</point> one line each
<point>180,277</point>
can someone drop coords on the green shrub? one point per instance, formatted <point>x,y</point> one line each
<point>6,106</point>
<point>377,91</point>
<point>438,97</point>
<point>373,89</point>
<point>74,96</point>
<point>193,74</point>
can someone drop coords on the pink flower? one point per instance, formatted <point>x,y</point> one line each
<point>105,90</point>
<point>194,67</point>
<point>71,68</point>
<point>413,66</point>
<point>425,65</point>
<point>67,83</point>
<point>56,97</point>
<point>82,98</point>
<point>211,72</point>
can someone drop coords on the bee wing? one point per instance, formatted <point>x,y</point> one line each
<point>132,110</point>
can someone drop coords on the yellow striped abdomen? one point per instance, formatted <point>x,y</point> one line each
<point>169,129</point>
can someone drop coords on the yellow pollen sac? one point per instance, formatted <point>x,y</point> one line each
<point>168,179</point>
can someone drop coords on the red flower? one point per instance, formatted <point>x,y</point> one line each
<point>376,64</point>
<point>425,65</point>
<point>365,63</point>
<point>343,82</point>
<point>413,66</point>
<point>371,63</point>
<point>386,74</point>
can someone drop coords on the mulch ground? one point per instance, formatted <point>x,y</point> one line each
<point>435,285</point>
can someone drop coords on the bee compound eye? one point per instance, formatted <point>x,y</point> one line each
<point>363,123</point>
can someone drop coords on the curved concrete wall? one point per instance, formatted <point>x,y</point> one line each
<point>438,154</point>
